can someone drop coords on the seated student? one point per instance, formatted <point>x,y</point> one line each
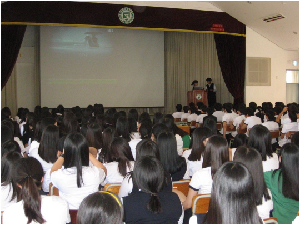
<point>202,113</point>
<point>232,191</point>
<point>122,128</point>
<point>94,139</point>
<point>260,139</point>
<point>252,160</point>
<point>32,208</point>
<point>132,126</point>
<point>158,117</point>
<point>8,186</point>
<point>194,156</point>
<point>218,112</point>
<point>283,117</point>
<point>178,112</point>
<point>271,125</point>
<point>209,115</point>
<point>216,153</point>
<point>121,162</point>
<point>108,135</point>
<point>151,204</point>
<point>253,106</point>
<point>76,179</point>
<point>226,119</point>
<point>174,164</point>
<point>157,129</point>
<point>292,126</point>
<point>193,114</point>
<point>100,208</point>
<point>238,120</point>
<point>284,185</point>
<point>211,124</point>
<point>250,120</point>
<point>240,139</point>
<point>133,113</point>
<point>186,113</point>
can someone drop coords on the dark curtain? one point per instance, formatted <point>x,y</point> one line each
<point>11,40</point>
<point>231,52</point>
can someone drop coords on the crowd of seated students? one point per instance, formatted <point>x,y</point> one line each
<point>80,150</point>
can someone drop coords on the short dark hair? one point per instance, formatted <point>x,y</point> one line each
<point>292,116</point>
<point>5,113</point>
<point>100,208</point>
<point>227,107</point>
<point>249,111</point>
<point>185,109</point>
<point>270,114</point>
<point>218,106</point>
<point>178,107</point>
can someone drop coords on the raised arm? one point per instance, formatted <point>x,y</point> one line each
<point>96,163</point>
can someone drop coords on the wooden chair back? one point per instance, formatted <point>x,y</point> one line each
<point>73,215</point>
<point>193,124</point>
<point>182,185</point>
<point>186,129</point>
<point>185,120</point>
<point>1,217</point>
<point>219,125</point>
<point>274,133</point>
<point>177,119</point>
<point>200,124</point>
<point>200,203</point>
<point>271,220</point>
<point>53,190</point>
<point>242,131</point>
<point>112,187</point>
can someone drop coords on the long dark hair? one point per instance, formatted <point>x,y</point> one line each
<point>121,153</point>
<point>76,154</point>
<point>108,135</point>
<point>169,157</point>
<point>232,197</point>
<point>94,135</point>
<point>252,160</point>
<point>70,124</point>
<point>289,172</point>
<point>216,153</point>
<point>8,161</point>
<point>149,176</point>
<point>198,136</point>
<point>28,173</point>
<point>123,128</point>
<point>100,208</point>
<point>260,138</point>
<point>48,145</point>
<point>147,147</point>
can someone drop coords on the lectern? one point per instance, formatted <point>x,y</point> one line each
<point>197,96</point>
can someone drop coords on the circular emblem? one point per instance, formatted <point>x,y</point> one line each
<point>199,96</point>
<point>126,15</point>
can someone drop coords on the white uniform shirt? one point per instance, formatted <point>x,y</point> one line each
<point>251,121</point>
<point>272,126</point>
<point>236,122</point>
<point>113,175</point>
<point>200,118</point>
<point>293,126</point>
<point>177,115</point>
<point>54,210</point>
<point>6,193</point>
<point>185,116</point>
<point>227,118</point>
<point>202,181</point>
<point>126,187</point>
<point>192,166</point>
<point>133,143</point>
<point>272,163</point>
<point>66,182</point>
<point>33,145</point>
<point>192,117</point>
<point>219,115</point>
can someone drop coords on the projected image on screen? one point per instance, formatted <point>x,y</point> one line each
<point>115,67</point>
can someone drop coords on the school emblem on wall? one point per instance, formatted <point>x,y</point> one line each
<point>198,96</point>
<point>126,15</point>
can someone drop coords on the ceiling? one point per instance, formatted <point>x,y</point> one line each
<point>251,13</point>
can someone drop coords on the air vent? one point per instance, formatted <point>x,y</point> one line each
<point>273,18</point>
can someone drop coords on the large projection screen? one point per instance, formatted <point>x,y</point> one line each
<point>114,67</point>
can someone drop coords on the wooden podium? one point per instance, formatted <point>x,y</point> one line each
<point>197,96</point>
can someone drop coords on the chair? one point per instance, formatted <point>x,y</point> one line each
<point>53,190</point>
<point>290,134</point>
<point>219,125</point>
<point>242,131</point>
<point>193,124</point>
<point>271,220</point>
<point>177,120</point>
<point>200,203</point>
<point>185,120</point>
<point>73,215</point>
<point>182,185</point>
<point>2,217</point>
<point>274,133</point>
<point>112,187</point>
<point>186,129</point>
<point>199,124</point>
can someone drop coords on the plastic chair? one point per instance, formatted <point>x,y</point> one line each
<point>200,203</point>
<point>182,185</point>
<point>112,187</point>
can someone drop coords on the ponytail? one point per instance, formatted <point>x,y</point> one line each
<point>154,204</point>
<point>32,200</point>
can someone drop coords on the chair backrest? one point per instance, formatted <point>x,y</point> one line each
<point>177,119</point>
<point>73,215</point>
<point>290,134</point>
<point>271,220</point>
<point>200,124</point>
<point>53,190</point>
<point>112,187</point>
<point>219,125</point>
<point>274,133</point>
<point>242,131</point>
<point>182,185</point>
<point>200,203</point>
<point>193,124</point>
<point>186,129</point>
<point>1,217</point>
<point>185,120</point>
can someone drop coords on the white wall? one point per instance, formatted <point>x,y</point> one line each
<point>258,46</point>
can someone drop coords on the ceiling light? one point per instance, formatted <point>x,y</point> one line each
<point>273,18</point>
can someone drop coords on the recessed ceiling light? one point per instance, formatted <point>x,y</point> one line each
<point>273,18</point>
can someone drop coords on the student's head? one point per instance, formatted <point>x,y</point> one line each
<point>290,171</point>
<point>133,113</point>
<point>292,116</point>
<point>216,153</point>
<point>252,160</point>
<point>145,130</point>
<point>210,111</point>
<point>48,145</point>
<point>41,125</point>
<point>108,135</point>
<point>253,106</point>
<point>76,154</point>
<point>200,104</point>
<point>70,123</point>
<point>158,117</point>
<point>169,122</point>
<point>10,146</point>
<point>249,111</point>
<point>270,115</point>
<point>147,148</point>
<point>208,80</point>
<point>211,124</point>
<point>94,135</point>
<point>227,107</point>
<point>295,138</point>
<point>122,128</point>
<point>100,208</point>
<point>143,116</point>
<point>218,107</point>
<point>8,162</point>
<point>260,138</point>
<point>178,107</point>
<point>198,142</point>
<point>204,109</point>
<point>149,176</point>
<point>28,174</point>
<point>193,109</point>
<point>6,134</point>
<point>157,129</point>
<point>195,83</point>
<point>240,140</point>
<point>232,195</point>
<point>185,109</point>
<point>277,110</point>
<point>121,153</point>
<point>5,113</point>
<point>132,125</point>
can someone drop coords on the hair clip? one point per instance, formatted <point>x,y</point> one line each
<point>113,197</point>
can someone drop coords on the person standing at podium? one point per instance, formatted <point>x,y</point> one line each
<point>211,92</point>
<point>195,85</point>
